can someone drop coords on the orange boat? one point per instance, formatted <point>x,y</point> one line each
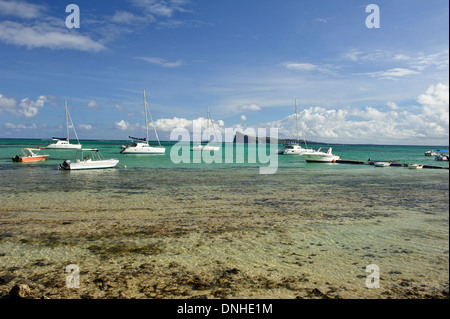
<point>29,156</point>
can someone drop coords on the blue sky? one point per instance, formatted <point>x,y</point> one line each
<point>246,60</point>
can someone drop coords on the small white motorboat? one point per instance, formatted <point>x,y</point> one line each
<point>415,166</point>
<point>382,164</point>
<point>205,147</point>
<point>93,161</point>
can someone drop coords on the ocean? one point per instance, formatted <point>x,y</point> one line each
<point>153,228</point>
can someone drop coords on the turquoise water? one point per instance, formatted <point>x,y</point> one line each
<point>310,225</point>
<point>111,149</point>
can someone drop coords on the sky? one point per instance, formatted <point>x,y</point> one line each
<point>248,61</point>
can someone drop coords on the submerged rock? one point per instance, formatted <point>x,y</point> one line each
<point>20,291</point>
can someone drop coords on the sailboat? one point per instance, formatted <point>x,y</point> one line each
<point>140,145</point>
<point>205,145</point>
<point>64,143</point>
<point>293,147</point>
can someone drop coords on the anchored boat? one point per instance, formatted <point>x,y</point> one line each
<point>29,156</point>
<point>320,156</point>
<point>140,145</point>
<point>64,143</point>
<point>94,160</point>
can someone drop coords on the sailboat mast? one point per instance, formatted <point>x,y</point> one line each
<point>67,121</point>
<point>146,124</point>
<point>296,121</point>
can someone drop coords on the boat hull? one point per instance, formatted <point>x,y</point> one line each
<point>64,146</point>
<point>81,165</point>
<point>317,158</point>
<point>205,148</point>
<point>382,164</point>
<point>30,159</point>
<point>142,148</point>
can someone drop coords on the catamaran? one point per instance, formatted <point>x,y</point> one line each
<point>64,143</point>
<point>140,145</point>
<point>206,145</point>
<point>92,161</point>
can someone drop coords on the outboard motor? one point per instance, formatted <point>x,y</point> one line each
<point>65,165</point>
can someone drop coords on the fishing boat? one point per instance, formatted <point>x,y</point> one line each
<point>141,145</point>
<point>206,145</point>
<point>94,160</point>
<point>29,156</point>
<point>320,156</point>
<point>292,147</point>
<point>64,143</point>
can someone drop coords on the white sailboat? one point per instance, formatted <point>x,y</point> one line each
<point>93,161</point>
<point>206,145</point>
<point>140,145</point>
<point>64,143</point>
<point>293,147</point>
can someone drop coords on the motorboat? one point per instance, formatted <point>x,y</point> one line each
<point>431,153</point>
<point>94,160</point>
<point>382,164</point>
<point>64,143</point>
<point>141,145</point>
<point>28,155</point>
<point>320,156</point>
<point>205,146</point>
<point>441,156</point>
<point>415,166</point>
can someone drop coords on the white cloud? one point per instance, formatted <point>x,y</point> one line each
<point>392,105</point>
<point>85,126</point>
<point>372,125</point>
<point>161,8</point>
<point>20,126</point>
<point>26,108</point>
<point>161,62</point>
<point>92,104</point>
<point>122,125</point>
<point>129,18</point>
<point>243,117</point>
<point>392,74</point>
<point>45,35</point>
<point>20,9</point>
<point>435,107</point>
<point>249,107</point>
<point>7,104</point>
